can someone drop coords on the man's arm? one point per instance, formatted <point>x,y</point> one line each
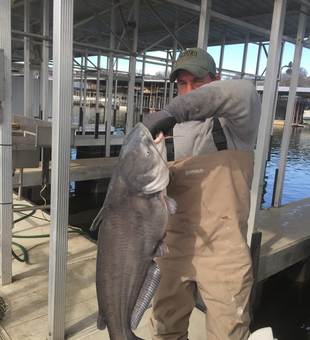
<point>235,100</point>
<point>229,99</point>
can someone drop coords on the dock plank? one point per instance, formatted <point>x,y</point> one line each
<point>285,237</point>
<point>285,241</point>
<point>80,170</point>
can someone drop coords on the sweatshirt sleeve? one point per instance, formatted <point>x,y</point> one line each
<point>235,100</point>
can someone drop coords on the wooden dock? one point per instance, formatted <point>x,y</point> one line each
<point>285,237</point>
<point>80,170</point>
<point>285,241</point>
<point>27,297</point>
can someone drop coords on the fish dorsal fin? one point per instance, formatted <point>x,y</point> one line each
<point>98,219</point>
<point>161,249</point>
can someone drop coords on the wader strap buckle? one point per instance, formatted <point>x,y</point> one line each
<point>218,135</point>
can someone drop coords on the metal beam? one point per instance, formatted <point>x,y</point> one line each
<point>132,70</point>
<point>247,26</point>
<point>174,53</point>
<point>92,17</point>
<point>176,30</point>
<point>27,76</point>
<point>238,22</point>
<point>245,53</point>
<point>111,31</point>
<point>257,63</point>
<point>6,197</point>
<point>290,109</point>
<point>61,127</point>
<point>183,5</point>
<point>266,120</point>
<point>303,3</point>
<point>45,61</point>
<point>84,92</point>
<point>204,23</point>
<point>222,51</point>
<point>109,88</point>
<point>98,84</point>
<point>125,30</point>
<point>166,27</point>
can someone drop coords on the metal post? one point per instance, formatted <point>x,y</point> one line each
<point>245,53</point>
<point>257,62</point>
<point>62,102</point>
<point>44,95</point>
<point>222,51</point>
<point>290,106</point>
<point>266,120</point>
<point>98,83</point>
<point>20,184</point>
<point>6,197</point>
<point>142,87</point>
<point>84,94</point>
<point>108,108</point>
<point>132,70</point>
<point>27,76</point>
<point>204,22</point>
<point>115,96</point>
<point>166,75</point>
<point>174,54</point>
<point>44,63</point>
<point>81,83</point>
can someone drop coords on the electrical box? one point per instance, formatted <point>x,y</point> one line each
<point>1,74</point>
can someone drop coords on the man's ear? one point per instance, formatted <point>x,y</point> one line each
<point>217,77</point>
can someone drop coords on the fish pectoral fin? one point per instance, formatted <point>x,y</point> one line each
<point>98,219</point>
<point>171,205</point>
<point>146,294</point>
<point>161,249</point>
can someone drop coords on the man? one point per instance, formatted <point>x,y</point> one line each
<point>215,127</point>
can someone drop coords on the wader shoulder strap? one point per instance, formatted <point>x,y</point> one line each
<point>218,135</point>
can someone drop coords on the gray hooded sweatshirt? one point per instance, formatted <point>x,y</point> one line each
<point>236,104</point>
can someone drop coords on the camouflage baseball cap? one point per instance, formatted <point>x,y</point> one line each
<point>195,60</point>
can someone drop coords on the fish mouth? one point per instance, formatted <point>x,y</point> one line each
<point>159,137</point>
<point>160,143</point>
<point>161,170</point>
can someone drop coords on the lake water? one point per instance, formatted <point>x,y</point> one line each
<point>297,175</point>
<point>285,305</point>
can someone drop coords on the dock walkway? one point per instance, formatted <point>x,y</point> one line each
<point>27,297</point>
<point>285,241</point>
<point>80,170</point>
<point>285,237</point>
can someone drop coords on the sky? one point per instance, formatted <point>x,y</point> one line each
<point>233,55</point>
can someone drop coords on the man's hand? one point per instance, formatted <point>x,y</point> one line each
<point>159,121</point>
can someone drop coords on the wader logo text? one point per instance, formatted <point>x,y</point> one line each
<point>194,172</point>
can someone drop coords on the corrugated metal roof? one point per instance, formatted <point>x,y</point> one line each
<point>92,20</point>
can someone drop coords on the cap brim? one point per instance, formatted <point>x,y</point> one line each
<point>196,70</point>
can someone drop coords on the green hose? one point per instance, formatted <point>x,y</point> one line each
<point>32,236</point>
<point>23,250</point>
<point>26,216</point>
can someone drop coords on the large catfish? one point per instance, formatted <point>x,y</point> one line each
<point>132,224</point>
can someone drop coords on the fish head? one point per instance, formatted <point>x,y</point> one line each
<point>142,161</point>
